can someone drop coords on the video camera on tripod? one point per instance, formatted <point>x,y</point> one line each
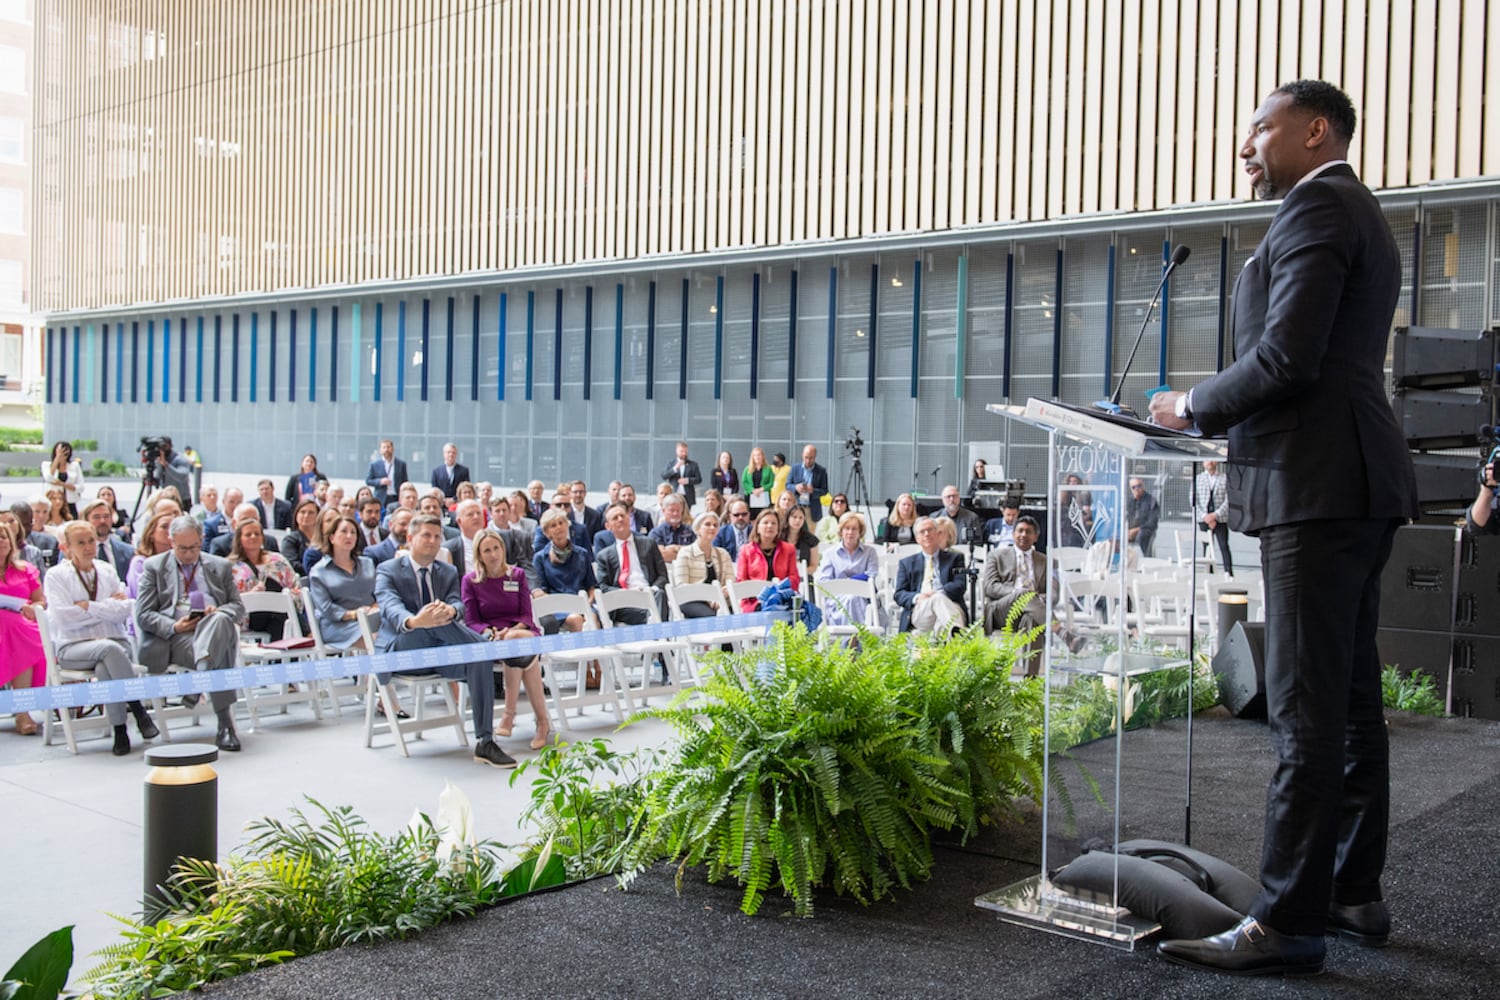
<point>854,445</point>
<point>151,449</point>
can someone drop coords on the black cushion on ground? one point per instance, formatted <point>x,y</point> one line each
<point>1226,883</point>
<point>1151,890</point>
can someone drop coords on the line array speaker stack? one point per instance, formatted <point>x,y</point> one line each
<point>1445,401</point>
<point>1440,614</point>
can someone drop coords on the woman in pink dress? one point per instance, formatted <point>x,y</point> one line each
<point>21,659</point>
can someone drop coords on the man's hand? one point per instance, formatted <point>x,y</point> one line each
<point>1489,477</point>
<point>1212,520</point>
<point>1164,411</point>
<point>185,625</point>
<point>433,615</point>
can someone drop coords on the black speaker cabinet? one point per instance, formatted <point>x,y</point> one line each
<point>1477,608</point>
<point>1416,589</point>
<point>1240,665</point>
<point>1410,650</point>
<point>1432,420</point>
<point>1446,480</point>
<point>1424,357</point>
<point>1476,676</point>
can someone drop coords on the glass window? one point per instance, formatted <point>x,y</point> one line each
<point>12,70</point>
<point>10,356</point>
<point>12,140</point>
<point>11,290</point>
<point>11,219</point>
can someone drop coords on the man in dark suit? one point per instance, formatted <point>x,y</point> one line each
<point>460,548</point>
<point>614,497</point>
<point>930,583</point>
<point>1318,468</point>
<point>592,520</point>
<point>420,608</point>
<point>640,520</point>
<point>684,475</point>
<point>369,522</point>
<point>395,537</point>
<point>108,547</point>
<point>809,481</point>
<point>447,476</point>
<point>432,506</point>
<point>1142,516</point>
<point>45,543</point>
<point>274,512</point>
<point>518,544</point>
<point>736,530</point>
<point>630,561</point>
<point>386,474</point>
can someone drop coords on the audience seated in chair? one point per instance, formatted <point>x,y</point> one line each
<point>930,584</point>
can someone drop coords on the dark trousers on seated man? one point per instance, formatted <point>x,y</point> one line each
<point>479,675</point>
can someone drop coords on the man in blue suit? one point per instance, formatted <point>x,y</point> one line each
<point>386,474</point>
<point>930,583</point>
<point>420,608</point>
<point>809,481</point>
<point>101,517</point>
<point>736,530</point>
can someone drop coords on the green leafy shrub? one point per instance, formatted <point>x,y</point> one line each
<point>20,435</point>
<point>108,467</point>
<point>21,472</point>
<point>42,972</point>
<point>85,444</point>
<point>802,766</point>
<point>304,886</point>
<point>1088,707</point>
<point>1413,692</point>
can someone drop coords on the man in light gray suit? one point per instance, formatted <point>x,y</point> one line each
<point>187,613</point>
<point>420,608</point>
<point>1010,572</point>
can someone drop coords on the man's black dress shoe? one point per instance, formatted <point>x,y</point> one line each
<point>1250,948</point>
<point>1368,924</point>
<point>227,740</point>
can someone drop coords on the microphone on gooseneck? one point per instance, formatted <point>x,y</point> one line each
<point>1112,404</point>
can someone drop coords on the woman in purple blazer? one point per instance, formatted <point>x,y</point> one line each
<point>497,605</point>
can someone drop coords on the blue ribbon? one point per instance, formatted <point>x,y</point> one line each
<point>40,699</point>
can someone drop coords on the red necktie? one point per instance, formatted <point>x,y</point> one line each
<point>624,565</point>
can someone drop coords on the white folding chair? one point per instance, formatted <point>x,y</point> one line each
<point>672,651</point>
<point>321,650</point>
<point>700,643</point>
<point>835,595</point>
<point>253,654</point>
<point>558,664</point>
<point>1161,609</point>
<point>1069,558</point>
<point>418,688</point>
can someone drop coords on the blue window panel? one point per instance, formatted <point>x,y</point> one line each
<point>791,342</point>
<point>961,343</point>
<point>426,344</point>
<point>1057,315</point>
<point>588,341</point>
<point>104,364</point>
<point>198,364</point>
<point>119,362</point>
<point>833,324</point>
<point>650,340</point>
<point>474,351</point>
<point>719,337</point>
<point>530,340</point>
<point>166,361</point>
<point>77,350</point>
<point>874,330</point>
<point>150,359</point>
<point>234,358</point>
<point>135,360</point>
<point>500,347</point>
<point>1166,301</point>
<point>182,360</point>
<point>1009,315</point>
<point>619,337</point>
<point>1109,324</point>
<point>62,364</point>
<point>90,350</point>
<point>312,355</point>
<point>448,356</point>
<point>401,351</point>
<point>333,354</point>
<point>270,369</point>
<point>916,329</point>
<point>755,335</point>
<point>291,356</point>
<point>356,355</point>
<point>557,348</point>
<point>682,344</point>
<point>379,349</point>
<point>51,343</point>
<point>255,355</point>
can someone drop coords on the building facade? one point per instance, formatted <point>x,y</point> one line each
<point>564,235</point>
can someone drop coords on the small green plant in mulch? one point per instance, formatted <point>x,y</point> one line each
<point>1414,692</point>
<point>105,467</point>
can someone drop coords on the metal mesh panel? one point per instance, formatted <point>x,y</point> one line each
<point>1193,310</point>
<point>633,347</point>
<point>668,335</point>
<point>1085,285</point>
<point>1454,252</point>
<point>1032,317</point>
<point>986,349</point>
<point>940,313</point>
<point>1138,269</point>
<point>896,290</point>
<point>812,328</point>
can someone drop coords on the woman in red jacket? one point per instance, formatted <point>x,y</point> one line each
<point>767,557</point>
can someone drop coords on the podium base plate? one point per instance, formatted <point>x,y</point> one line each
<point>1045,907</point>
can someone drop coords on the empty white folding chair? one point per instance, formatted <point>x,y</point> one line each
<point>711,594</point>
<point>419,688</point>
<point>835,598</point>
<point>253,654</point>
<point>643,651</point>
<point>1161,609</point>
<point>568,668</point>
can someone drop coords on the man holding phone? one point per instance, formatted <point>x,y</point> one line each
<point>187,613</point>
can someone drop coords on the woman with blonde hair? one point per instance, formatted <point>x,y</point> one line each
<point>757,479</point>
<point>497,605</point>
<point>900,527</point>
<point>155,539</point>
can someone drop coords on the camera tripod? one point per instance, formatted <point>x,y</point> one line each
<point>855,487</point>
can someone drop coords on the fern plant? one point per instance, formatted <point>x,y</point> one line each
<point>801,767</point>
<point>1412,692</point>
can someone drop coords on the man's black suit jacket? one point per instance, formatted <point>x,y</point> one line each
<point>281,514</point>
<point>1311,433</point>
<point>909,573</point>
<point>653,566</point>
<point>386,494</point>
<point>450,487</point>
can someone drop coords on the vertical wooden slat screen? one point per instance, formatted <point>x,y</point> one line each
<point>196,151</point>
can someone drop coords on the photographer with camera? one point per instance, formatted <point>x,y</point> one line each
<point>164,467</point>
<point>1481,519</point>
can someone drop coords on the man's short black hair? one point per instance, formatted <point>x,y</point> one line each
<point>1028,519</point>
<point>1323,99</point>
<point>1010,503</point>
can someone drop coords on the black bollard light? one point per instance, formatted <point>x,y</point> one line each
<point>182,815</point>
<point>1234,607</point>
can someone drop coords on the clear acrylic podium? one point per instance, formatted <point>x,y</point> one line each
<point>1097,808</point>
